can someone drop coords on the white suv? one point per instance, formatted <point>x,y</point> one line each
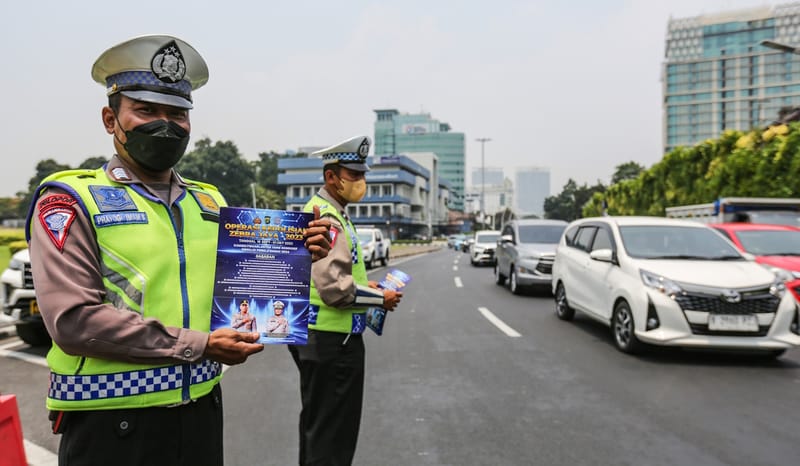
<point>481,249</point>
<point>671,282</point>
<point>19,300</point>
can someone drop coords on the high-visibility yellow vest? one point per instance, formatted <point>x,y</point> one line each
<point>322,316</point>
<point>148,267</point>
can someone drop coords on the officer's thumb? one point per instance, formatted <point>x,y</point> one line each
<point>316,212</point>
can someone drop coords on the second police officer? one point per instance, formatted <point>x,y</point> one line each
<point>331,365</point>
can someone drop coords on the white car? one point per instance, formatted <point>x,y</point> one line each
<point>481,250</point>
<point>671,282</point>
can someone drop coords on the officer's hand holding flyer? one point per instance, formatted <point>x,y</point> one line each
<point>394,280</point>
<point>263,274</point>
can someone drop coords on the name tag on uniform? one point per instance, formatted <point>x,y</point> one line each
<point>119,218</point>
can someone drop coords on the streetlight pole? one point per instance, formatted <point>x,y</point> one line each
<point>483,141</point>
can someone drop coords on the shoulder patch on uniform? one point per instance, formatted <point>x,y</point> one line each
<point>111,199</point>
<point>334,234</point>
<point>206,202</point>
<point>120,174</point>
<point>56,214</point>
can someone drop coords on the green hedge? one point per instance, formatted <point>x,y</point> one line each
<point>10,235</point>
<point>16,246</point>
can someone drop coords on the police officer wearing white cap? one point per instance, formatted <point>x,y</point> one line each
<point>123,259</point>
<point>331,364</point>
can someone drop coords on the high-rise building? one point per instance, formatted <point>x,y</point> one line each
<point>487,176</point>
<point>397,133</point>
<point>718,76</point>
<point>533,186</point>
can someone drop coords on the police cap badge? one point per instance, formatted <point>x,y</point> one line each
<point>156,68</point>
<point>351,153</point>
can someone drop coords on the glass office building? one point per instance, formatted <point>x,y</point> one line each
<point>397,133</point>
<point>533,187</point>
<point>717,76</point>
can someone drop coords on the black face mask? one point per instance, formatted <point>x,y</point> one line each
<point>157,145</point>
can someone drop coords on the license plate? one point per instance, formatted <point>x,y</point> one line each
<point>740,323</point>
<point>34,307</point>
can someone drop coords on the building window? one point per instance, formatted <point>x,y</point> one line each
<point>386,211</point>
<point>296,191</point>
<point>375,191</point>
<point>306,191</point>
<point>363,211</point>
<point>387,190</point>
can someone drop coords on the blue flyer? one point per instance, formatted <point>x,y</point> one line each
<point>394,280</point>
<point>263,274</point>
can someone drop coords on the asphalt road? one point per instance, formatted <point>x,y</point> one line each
<point>447,386</point>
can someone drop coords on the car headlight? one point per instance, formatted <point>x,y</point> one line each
<point>16,264</point>
<point>783,274</point>
<point>660,283</point>
<point>778,288</point>
<point>478,249</point>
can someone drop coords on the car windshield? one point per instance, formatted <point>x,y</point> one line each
<point>676,242</point>
<point>770,243</point>
<point>487,237</point>
<point>364,237</point>
<point>540,233</point>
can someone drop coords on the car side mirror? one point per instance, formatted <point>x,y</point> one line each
<point>602,255</point>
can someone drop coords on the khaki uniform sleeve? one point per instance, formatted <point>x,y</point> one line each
<point>333,274</point>
<point>70,293</point>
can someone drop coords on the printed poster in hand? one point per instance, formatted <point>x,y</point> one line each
<point>263,274</point>
<point>394,280</point>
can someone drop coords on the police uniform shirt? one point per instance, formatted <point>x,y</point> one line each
<point>73,294</point>
<point>333,275</point>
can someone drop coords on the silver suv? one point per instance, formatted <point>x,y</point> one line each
<point>525,253</point>
<point>19,300</point>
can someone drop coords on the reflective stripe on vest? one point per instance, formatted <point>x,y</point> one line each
<point>327,318</point>
<point>95,387</point>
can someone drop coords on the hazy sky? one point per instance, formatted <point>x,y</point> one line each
<point>570,85</point>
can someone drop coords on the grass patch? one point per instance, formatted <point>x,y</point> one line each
<point>5,257</point>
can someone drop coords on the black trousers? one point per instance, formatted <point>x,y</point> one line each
<point>188,435</point>
<point>332,390</point>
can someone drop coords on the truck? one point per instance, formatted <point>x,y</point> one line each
<point>374,245</point>
<point>766,210</point>
<point>19,300</point>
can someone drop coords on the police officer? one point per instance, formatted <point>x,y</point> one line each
<point>244,320</point>
<point>123,259</point>
<point>277,324</point>
<point>331,365</point>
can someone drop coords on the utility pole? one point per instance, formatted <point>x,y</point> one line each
<point>483,141</point>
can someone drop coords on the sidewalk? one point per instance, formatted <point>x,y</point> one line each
<point>405,250</point>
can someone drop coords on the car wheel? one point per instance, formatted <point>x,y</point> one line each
<point>624,329</point>
<point>563,311</point>
<point>512,282</point>
<point>499,278</point>
<point>33,333</point>
<point>385,260</point>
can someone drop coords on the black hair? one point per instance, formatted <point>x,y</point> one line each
<point>114,101</point>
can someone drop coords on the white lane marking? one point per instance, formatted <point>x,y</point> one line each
<point>498,323</point>
<point>38,456</point>
<point>458,282</point>
<point>455,268</point>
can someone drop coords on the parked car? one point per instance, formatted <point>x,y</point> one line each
<point>481,250</point>
<point>374,245</point>
<point>19,300</point>
<point>525,253</point>
<point>776,247</point>
<point>671,282</point>
<point>458,243</point>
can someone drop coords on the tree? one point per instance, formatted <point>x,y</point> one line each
<point>93,162</point>
<point>44,169</point>
<point>626,171</point>
<point>569,203</point>
<point>222,165</point>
